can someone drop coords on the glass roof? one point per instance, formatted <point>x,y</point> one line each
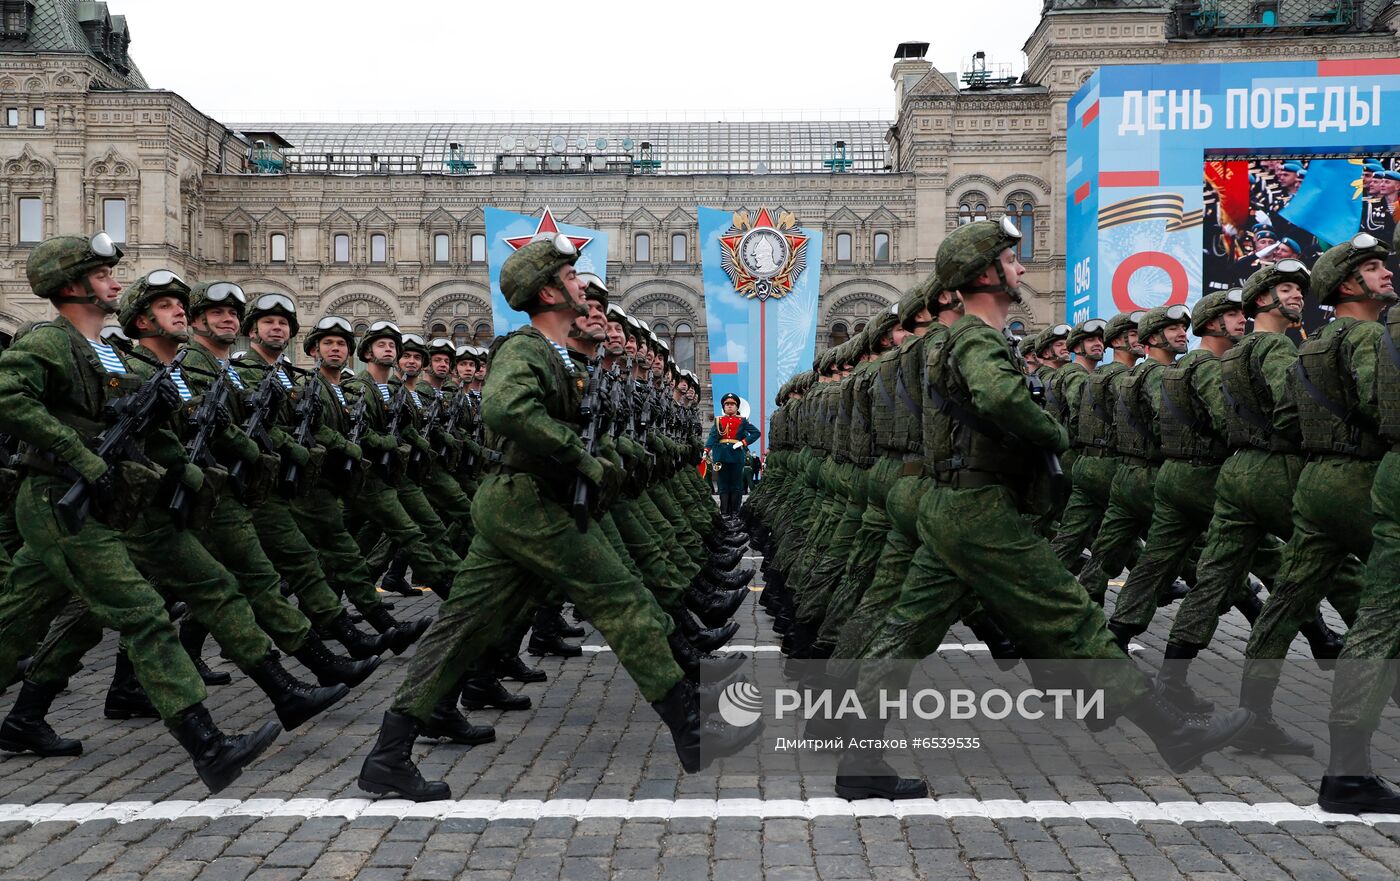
<point>680,147</point>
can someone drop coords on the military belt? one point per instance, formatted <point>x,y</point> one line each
<point>1201,461</point>
<point>969,479</point>
<point>1140,461</point>
<point>912,469</point>
<point>1093,452</point>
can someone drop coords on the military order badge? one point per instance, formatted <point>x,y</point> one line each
<point>763,260</point>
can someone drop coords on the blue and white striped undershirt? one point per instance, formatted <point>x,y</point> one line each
<point>383,391</point>
<point>340,395</point>
<point>111,361</point>
<point>282,378</point>
<point>233,376</point>
<point>179,381</point>
<point>563,353</point>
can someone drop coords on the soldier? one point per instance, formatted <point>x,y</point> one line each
<point>1137,394</point>
<point>1192,427</point>
<point>527,542</point>
<point>1332,386</point>
<point>1095,460</point>
<point>1366,674</point>
<point>726,449</point>
<point>1052,351</point>
<point>54,385</point>
<point>1254,488</point>
<point>980,441</point>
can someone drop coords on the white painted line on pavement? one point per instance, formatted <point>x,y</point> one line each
<point>666,809</point>
<point>970,647</point>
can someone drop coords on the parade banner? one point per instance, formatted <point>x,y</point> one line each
<point>507,231</point>
<point>762,278</point>
<point>1162,159</point>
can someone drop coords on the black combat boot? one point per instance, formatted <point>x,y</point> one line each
<point>395,579</point>
<point>1177,590</point>
<point>724,561</point>
<point>694,662</point>
<point>482,690</point>
<point>861,775</point>
<point>1249,603</point>
<point>359,644</point>
<point>330,668</point>
<point>126,699</point>
<point>511,666</point>
<point>192,635</point>
<point>25,729</point>
<point>1181,738</point>
<point>704,640</point>
<point>1263,734</point>
<point>1325,643</point>
<point>710,581</point>
<point>544,641</point>
<point>1176,663</point>
<point>219,758</point>
<point>448,723</point>
<point>400,634</point>
<point>564,628</point>
<point>715,609</point>
<point>296,702</point>
<point>999,645</point>
<point>724,543</point>
<point>1122,635</point>
<point>680,710</point>
<point>1350,785</point>
<point>389,768</point>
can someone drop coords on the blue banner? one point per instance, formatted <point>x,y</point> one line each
<point>762,277</point>
<point>1328,202</point>
<point>507,231</point>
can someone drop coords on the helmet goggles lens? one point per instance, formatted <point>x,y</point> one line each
<point>1093,326</point>
<point>102,245</point>
<point>272,302</point>
<point>1009,228</point>
<point>381,326</point>
<point>1178,313</point>
<point>415,339</point>
<point>162,278</point>
<point>1235,296</point>
<point>334,322</point>
<point>1291,267</point>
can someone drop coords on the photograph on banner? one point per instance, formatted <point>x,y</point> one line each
<point>1261,211</point>
<point>1173,171</point>
<point>507,232</point>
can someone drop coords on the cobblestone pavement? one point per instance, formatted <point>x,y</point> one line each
<point>585,785</point>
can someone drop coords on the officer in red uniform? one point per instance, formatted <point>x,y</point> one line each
<point>727,449</point>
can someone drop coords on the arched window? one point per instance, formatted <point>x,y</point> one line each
<point>641,248</point>
<point>277,246</point>
<point>484,334</point>
<point>1022,213</point>
<point>240,247</point>
<point>678,248</point>
<point>882,247</point>
<point>342,248</point>
<point>843,247</point>
<point>661,329</point>
<point>361,328</point>
<point>972,207</point>
<point>439,329</point>
<point>839,334</point>
<point>378,248</point>
<point>683,346</point>
<point>860,326</point>
<point>442,248</point>
<point>478,248</point>
<point>1017,327</point>
<point>461,334</point>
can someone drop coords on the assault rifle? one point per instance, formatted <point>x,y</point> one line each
<point>359,421</point>
<point>206,421</point>
<point>267,395</point>
<point>137,414</point>
<point>618,409</point>
<point>1049,459</point>
<point>430,421</point>
<point>590,409</point>
<point>397,405</point>
<point>460,402</point>
<point>307,412</point>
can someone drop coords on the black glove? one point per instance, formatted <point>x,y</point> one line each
<point>168,397</point>
<point>223,417</point>
<point>103,487</point>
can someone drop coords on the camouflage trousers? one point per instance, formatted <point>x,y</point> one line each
<point>645,548</point>
<point>296,561</point>
<point>1252,511</point>
<point>1128,516</point>
<point>1332,517</point>
<point>1363,683</point>
<point>1183,502</point>
<point>96,566</point>
<point>1079,523</point>
<point>322,521</point>
<point>378,546</point>
<point>378,504</point>
<point>832,554</point>
<point>527,546</point>
<point>863,562</point>
<point>982,550</point>
<point>180,568</point>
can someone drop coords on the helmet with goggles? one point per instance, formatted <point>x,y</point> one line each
<point>208,294</point>
<point>136,301</point>
<point>379,330</point>
<point>535,265</point>
<point>330,326</point>
<point>1084,330</point>
<point>56,263</point>
<point>1264,280</point>
<point>271,304</point>
<point>1155,320</point>
<point>412,342</point>
<point>1212,306</point>
<point>970,249</point>
<point>1344,261</point>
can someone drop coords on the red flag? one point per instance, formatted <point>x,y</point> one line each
<point>1230,180</point>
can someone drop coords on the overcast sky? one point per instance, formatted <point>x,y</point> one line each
<point>352,59</point>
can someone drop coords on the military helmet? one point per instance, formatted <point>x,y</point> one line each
<point>1089,327</point>
<point>1265,279</point>
<point>1212,306</point>
<point>273,303</point>
<point>973,247</point>
<point>442,346</point>
<point>57,262</point>
<point>1121,324</point>
<point>1340,262</point>
<point>379,330</point>
<point>917,298</point>
<point>618,316</point>
<point>594,289</point>
<point>331,325</point>
<point>534,266</point>
<point>136,299</point>
<point>1050,335</point>
<point>208,294</point>
<point>1154,320</point>
<point>412,342</point>
<point>879,327</point>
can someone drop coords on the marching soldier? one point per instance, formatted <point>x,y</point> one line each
<point>727,448</point>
